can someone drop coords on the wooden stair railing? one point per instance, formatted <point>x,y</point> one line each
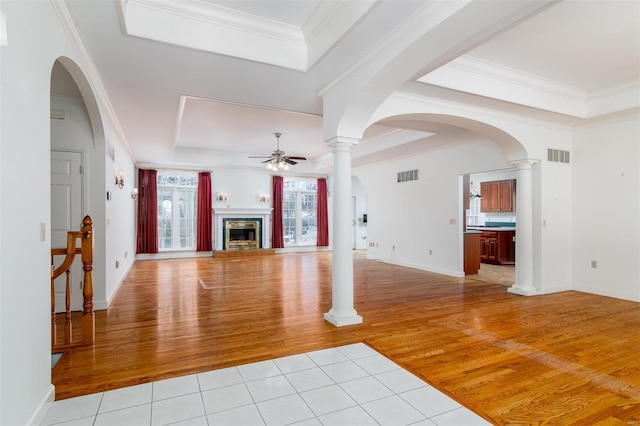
<point>87,323</point>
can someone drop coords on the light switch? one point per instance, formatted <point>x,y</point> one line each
<point>43,231</point>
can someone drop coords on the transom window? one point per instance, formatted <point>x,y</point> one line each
<point>299,204</point>
<point>177,204</point>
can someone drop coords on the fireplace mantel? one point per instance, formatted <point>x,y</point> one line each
<point>241,213</point>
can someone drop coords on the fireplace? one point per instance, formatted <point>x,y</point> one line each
<point>242,233</point>
<point>234,214</point>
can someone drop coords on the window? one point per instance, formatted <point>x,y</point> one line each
<point>177,195</point>
<point>299,212</point>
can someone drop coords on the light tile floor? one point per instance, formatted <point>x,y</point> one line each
<point>348,385</point>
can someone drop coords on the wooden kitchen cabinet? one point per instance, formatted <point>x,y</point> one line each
<point>498,247</point>
<point>471,252</point>
<point>489,247</point>
<point>498,196</point>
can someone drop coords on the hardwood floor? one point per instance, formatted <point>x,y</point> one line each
<point>496,274</point>
<point>565,358</point>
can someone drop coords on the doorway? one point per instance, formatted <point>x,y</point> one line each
<point>66,215</point>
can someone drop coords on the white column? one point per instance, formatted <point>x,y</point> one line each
<point>524,230</point>
<point>342,312</point>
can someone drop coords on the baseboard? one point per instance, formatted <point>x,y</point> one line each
<point>43,407</point>
<point>173,255</point>
<point>99,305</point>
<point>301,249</point>
<point>607,293</point>
<point>441,271</point>
<point>558,289</point>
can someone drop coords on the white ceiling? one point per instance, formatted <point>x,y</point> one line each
<point>190,88</point>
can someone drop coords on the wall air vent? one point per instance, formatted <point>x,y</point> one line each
<point>557,155</point>
<point>407,176</point>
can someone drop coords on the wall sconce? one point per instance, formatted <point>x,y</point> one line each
<point>134,193</point>
<point>120,179</point>
<point>221,197</point>
<point>263,198</point>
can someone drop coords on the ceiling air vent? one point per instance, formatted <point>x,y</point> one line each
<point>407,176</point>
<point>557,155</point>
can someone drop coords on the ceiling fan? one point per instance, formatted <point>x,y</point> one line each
<point>277,160</point>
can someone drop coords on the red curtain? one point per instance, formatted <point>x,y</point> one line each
<point>147,239</point>
<point>322,215</point>
<point>203,220</point>
<point>277,234</point>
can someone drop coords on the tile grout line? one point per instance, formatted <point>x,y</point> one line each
<point>350,356</point>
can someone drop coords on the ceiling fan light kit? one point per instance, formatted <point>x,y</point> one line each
<point>278,160</point>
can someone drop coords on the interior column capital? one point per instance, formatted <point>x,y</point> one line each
<point>342,142</point>
<point>525,163</point>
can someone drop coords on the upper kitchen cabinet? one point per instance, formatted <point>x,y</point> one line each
<point>498,196</point>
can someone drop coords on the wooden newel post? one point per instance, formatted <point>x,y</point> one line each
<point>88,317</point>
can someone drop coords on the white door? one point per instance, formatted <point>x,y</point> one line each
<point>66,215</point>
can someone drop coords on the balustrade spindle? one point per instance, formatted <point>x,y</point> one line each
<point>87,323</point>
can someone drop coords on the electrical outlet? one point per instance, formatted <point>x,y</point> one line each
<point>126,254</point>
<point>452,221</point>
<point>43,231</point>
<point>594,264</point>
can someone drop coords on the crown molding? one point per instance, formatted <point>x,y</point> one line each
<point>90,71</point>
<point>479,77</point>
<point>212,28</point>
<point>205,26</point>
<point>502,73</point>
<point>218,15</point>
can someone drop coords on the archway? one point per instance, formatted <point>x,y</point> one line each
<point>509,152</point>
<point>77,128</point>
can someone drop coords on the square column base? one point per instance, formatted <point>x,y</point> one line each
<point>341,322</point>
<point>515,290</point>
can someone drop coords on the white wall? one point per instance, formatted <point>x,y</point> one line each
<point>360,229</point>
<point>414,217</point>
<point>242,187</point>
<point>606,210</point>
<point>25,351</point>
<point>26,138</point>
<point>119,218</point>
<point>552,226</point>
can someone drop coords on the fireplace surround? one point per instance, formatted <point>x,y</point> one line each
<point>224,214</point>
<point>242,233</point>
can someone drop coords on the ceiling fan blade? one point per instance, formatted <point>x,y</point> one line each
<point>290,161</point>
<point>266,161</point>
<point>297,158</point>
<point>264,156</point>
